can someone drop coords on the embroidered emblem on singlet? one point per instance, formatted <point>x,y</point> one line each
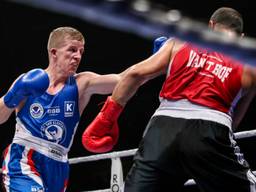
<point>36,110</point>
<point>54,131</point>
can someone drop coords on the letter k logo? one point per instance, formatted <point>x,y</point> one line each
<point>69,106</point>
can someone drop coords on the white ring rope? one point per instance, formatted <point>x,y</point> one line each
<point>245,134</point>
<point>131,152</point>
<point>125,153</point>
<point>110,155</point>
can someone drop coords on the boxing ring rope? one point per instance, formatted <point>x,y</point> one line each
<point>116,182</point>
<point>130,152</point>
<point>187,29</point>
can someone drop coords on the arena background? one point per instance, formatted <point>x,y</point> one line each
<point>109,48</point>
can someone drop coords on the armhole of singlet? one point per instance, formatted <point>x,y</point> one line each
<point>171,60</point>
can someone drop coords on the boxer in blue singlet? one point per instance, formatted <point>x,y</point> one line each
<point>48,105</point>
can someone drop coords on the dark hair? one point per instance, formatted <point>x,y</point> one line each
<point>228,17</point>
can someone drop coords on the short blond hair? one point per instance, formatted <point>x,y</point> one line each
<point>60,34</point>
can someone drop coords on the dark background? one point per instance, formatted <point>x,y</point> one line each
<point>24,33</point>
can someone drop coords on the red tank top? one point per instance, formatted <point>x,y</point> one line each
<point>203,77</point>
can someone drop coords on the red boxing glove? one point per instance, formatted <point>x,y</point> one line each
<point>102,134</point>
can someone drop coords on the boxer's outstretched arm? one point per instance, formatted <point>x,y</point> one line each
<point>142,72</point>
<point>90,83</point>
<point>102,134</point>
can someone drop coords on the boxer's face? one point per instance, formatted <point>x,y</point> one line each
<point>69,55</point>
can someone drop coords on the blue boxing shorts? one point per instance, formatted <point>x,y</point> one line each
<point>26,170</point>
